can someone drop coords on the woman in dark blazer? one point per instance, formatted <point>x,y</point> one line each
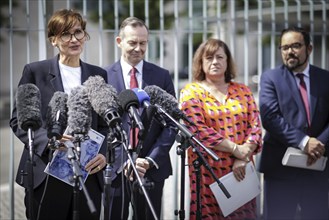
<point>52,198</point>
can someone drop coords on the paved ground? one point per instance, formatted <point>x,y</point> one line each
<point>19,209</point>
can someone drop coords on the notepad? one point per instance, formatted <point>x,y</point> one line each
<point>297,158</point>
<point>241,192</point>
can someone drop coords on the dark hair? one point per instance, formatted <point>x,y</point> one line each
<point>63,20</point>
<point>131,21</point>
<point>209,48</point>
<point>302,31</point>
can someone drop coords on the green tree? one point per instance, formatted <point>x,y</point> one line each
<point>139,11</point>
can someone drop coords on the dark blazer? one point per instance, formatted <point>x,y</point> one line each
<point>158,141</point>
<point>46,76</point>
<point>284,118</point>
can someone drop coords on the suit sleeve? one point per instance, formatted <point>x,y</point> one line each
<point>40,140</point>
<point>166,139</point>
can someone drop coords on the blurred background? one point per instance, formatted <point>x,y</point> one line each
<point>251,28</point>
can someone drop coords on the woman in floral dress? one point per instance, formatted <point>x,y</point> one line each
<point>226,121</point>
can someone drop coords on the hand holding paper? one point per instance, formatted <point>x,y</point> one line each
<point>297,158</point>
<point>241,192</point>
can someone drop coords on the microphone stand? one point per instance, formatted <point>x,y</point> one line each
<point>139,180</point>
<point>200,161</point>
<point>112,143</point>
<point>181,147</point>
<point>30,173</point>
<point>74,156</point>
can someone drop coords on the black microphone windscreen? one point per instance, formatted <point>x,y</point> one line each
<point>28,104</point>
<point>128,98</point>
<point>167,101</point>
<point>79,111</point>
<point>57,114</point>
<point>102,96</point>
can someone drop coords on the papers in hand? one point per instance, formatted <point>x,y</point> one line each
<point>241,192</point>
<point>60,166</point>
<point>297,158</point>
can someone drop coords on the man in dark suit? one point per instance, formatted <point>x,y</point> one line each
<point>292,122</point>
<point>153,162</point>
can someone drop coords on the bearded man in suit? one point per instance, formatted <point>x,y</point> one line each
<point>293,121</point>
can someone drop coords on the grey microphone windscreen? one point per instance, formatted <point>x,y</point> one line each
<point>167,101</point>
<point>102,96</point>
<point>57,115</point>
<point>28,104</point>
<point>79,111</point>
<point>161,97</point>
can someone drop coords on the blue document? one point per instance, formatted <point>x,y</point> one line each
<point>60,166</point>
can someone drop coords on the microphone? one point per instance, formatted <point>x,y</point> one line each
<point>79,112</point>
<point>166,101</point>
<point>28,106</point>
<point>130,103</point>
<point>57,116</point>
<point>151,110</point>
<point>104,100</point>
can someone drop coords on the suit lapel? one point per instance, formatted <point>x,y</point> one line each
<point>55,76</point>
<point>85,73</point>
<point>146,73</point>
<point>116,78</point>
<point>314,79</point>
<point>291,83</point>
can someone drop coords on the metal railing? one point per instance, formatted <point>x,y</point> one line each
<point>250,28</point>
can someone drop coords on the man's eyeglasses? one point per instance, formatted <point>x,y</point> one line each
<point>67,36</point>
<point>294,47</point>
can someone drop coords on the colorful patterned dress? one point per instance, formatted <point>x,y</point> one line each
<point>237,119</point>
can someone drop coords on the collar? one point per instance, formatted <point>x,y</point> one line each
<point>306,71</point>
<point>127,67</point>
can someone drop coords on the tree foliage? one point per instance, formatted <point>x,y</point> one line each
<point>138,11</point>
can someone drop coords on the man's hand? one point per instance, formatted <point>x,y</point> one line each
<point>142,165</point>
<point>314,149</point>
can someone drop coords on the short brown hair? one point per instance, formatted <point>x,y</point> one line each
<point>131,21</point>
<point>209,48</point>
<point>63,20</point>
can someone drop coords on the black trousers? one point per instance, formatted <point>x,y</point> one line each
<point>57,202</point>
<point>131,193</point>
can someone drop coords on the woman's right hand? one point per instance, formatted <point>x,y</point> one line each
<point>242,152</point>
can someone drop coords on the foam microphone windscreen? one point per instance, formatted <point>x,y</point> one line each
<point>167,101</point>
<point>57,115</point>
<point>143,97</point>
<point>79,111</point>
<point>28,104</point>
<point>128,98</point>
<point>102,96</point>
<point>162,98</point>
